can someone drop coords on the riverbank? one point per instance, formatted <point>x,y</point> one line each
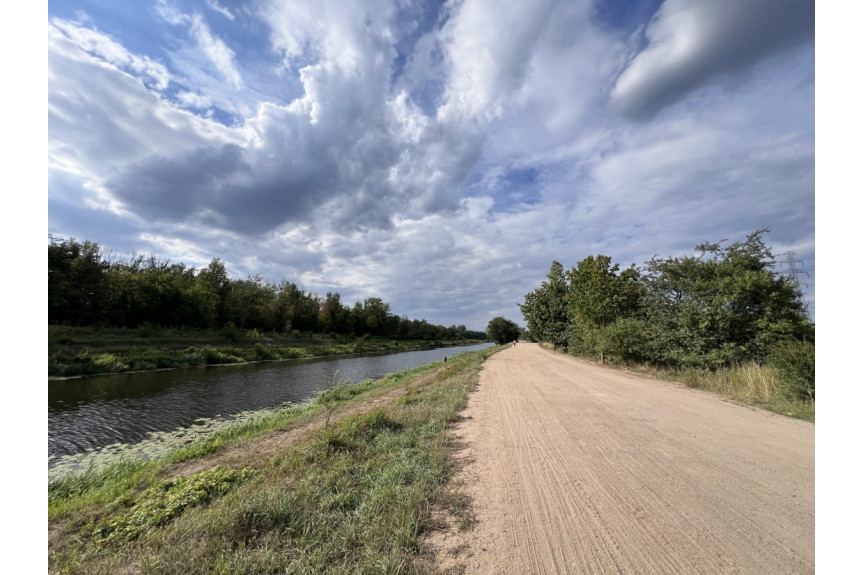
<point>78,351</point>
<point>345,484</point>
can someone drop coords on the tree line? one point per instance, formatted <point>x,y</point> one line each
<point>723,306</point>
<point>87,288</point>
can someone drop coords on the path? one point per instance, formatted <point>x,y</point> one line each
<point>577,468</point>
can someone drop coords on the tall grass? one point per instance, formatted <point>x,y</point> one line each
<point>752,383</point>
<point>352,498</point>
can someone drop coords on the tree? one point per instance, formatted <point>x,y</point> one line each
<point>375,312</point>
<point>296,309</point>
<point>248,302</point>
<point>598,297</point>
<point>724,305</point>
<point>213,287</point>
<point>86,288</point>
<point>502,330</point>
<point>332,315</point>
<point>76,274</point>
<point>545,309</point>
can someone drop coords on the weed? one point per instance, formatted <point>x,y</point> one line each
<point>164,502</point>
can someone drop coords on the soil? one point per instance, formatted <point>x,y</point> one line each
<point>574,467</point>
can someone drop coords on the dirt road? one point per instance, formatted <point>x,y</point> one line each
<point>577,468</point>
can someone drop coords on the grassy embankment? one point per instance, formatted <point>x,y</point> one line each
<point>76,351</point>
<point>761,386</point>
<point>343,485</point>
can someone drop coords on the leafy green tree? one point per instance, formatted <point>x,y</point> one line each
<point>297,310</point>
<point>332,316</point>
<point>626,340</point>
<point>546,309</point>
<point>212,286</point>
<point>248,302</point>
<point>599,296</point>
<point>76,273</point>
<point>84,288</point>
<point>375,313</point>
<point>723,306</point>
<point>795,359</point>
<point>501,330</point>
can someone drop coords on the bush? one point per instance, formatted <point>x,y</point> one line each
<point>108,363</point>
<point>795,361</point>
<point>625,340</point>
<point>60,334</point>
<point>230,332</point>
<point>262,352</point>
<point>219,357</point>
<point>194,356</point>
<point>146,330</point>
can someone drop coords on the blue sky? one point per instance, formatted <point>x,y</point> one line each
<point>437,155</point>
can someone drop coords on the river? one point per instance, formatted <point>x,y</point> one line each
<point>95,420</point>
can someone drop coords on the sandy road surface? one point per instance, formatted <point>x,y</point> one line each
<point>576,468</point>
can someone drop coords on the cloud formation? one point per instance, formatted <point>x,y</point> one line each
<point>349,145</point>
<point>437,155</point>
<point>692,42</point>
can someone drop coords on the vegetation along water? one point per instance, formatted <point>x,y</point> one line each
<point>94,420</point>
<point>345,484</point>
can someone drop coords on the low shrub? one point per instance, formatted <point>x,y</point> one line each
<point>147,330</point>
<point>230,332</point>
<point>109,363</point>
<point>262,352</point>
<point>795,361</point>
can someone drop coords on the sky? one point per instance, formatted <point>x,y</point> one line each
<point>438,155</point>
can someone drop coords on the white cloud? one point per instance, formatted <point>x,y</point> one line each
<point>693,42</point>
<point>338,33</point>
<point>216,7</point>
<point>111,120</point>
<point>203,63</point>
<point>488,46</point>
<point>216,51</point>
<point>192,100</point>
<point>105,48</point>
<point>170,13</point>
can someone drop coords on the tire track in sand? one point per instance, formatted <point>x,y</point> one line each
<point>576,468</point>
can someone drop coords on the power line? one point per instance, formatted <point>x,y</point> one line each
<point>793,275</point>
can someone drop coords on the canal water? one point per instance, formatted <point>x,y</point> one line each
<point>95,420</point>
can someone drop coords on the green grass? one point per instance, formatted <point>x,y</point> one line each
<point>354,497</point>
<point>75,351</point>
